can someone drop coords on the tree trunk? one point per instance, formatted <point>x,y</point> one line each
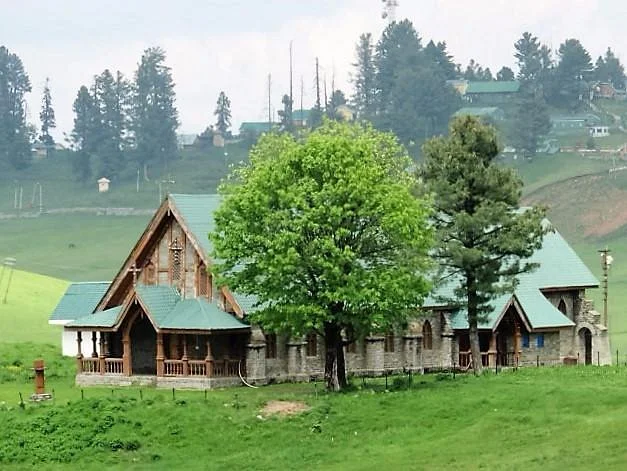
<point>335,366</point>
<point>473,331</point>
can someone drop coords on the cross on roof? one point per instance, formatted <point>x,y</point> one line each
<point>134,270</point>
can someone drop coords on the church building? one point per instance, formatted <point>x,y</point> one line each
<point>163,321</point>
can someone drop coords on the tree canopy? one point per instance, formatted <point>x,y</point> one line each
<point>326,233</point>
<point>481,235</point>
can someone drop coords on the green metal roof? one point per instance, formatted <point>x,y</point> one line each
<point>199,314</point>
<point>493,87</point>
<point>169,311</point>
<point>79,299</point>
<point>106,318</point>
<point>197,213</point>
<point>300,115</point>
<point>559,267</point>
<point>159,300</point>
<point>256,127</point>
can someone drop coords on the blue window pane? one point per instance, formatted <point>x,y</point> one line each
<point>540,341</point>
<point>525,340</point>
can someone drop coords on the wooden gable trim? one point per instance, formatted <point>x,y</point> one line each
<point>513,301</point>
<point>139,246</point>
<point>189,234</point>
<point>232,301</point>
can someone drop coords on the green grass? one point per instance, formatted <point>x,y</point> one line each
<point>195,172</point>
<point>547,418</point>
<point>31,298</point>
<point>72,247</point>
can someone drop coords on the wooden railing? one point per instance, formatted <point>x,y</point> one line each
<point>197,367</point>
<point>90,365</point>
<point>114,366</point>
<point>224,368</point>
<point>173,367</point>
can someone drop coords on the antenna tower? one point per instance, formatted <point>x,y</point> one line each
<point>389,10</point>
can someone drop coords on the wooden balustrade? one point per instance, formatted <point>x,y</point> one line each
<point>225,368</point>
<point>173,367</point>
<point>114,366</point>
<point>90,365</point>
<point>197,367</point>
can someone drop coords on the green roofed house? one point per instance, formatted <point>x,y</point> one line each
<point>491,92</point>
<point>164,321</point>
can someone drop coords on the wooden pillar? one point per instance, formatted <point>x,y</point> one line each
<point>101,358</point>
<point>185,358</point>
<point>209,359</point>
<point>174,347</point>
<point>105,343</point>
<point>79,354</point>
<point>94,344</point>
<point>517,343</point>
<point>126,354</point>
<point>160,354</point>
<point>492,351</point>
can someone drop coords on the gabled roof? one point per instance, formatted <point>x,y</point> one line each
<point>106,318</point>
<point>559,268</point>
<point>494,86</point>
<point>167,310</point>
<point>197,214</point>
<point>79,299</point>
<point>257,127</point>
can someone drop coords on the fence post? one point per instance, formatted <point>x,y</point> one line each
<point>598,358</point>
<point>454,369</point>
<point>538,361</point>
<point>173,394</point>
<point>577,358</point>
<point>617,357</point>
<point>386,379</point>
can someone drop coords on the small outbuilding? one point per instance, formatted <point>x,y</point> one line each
<point>103,185</point>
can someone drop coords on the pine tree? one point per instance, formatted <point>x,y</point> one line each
<point>15,134</point>
<point>482,236</point>
<point>505,74</point>
<point>337,99</point>
<point>46,115</point>
<point>285,115</point>
<point>364,78</point>
<point>154,117</point>
<point>83,136</point>
<point>223,114</point>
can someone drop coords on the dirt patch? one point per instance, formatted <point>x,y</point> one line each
<point>284,408</point>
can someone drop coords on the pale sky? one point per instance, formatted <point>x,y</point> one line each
<point>215,45</point>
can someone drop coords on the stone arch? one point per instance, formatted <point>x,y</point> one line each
<point>427,336</point>
<point>561,307</point>
<point>584,335</point>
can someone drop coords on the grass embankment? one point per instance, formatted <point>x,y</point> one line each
<point>30,300</point>
<point>197,171</point>
<point>553,418</point>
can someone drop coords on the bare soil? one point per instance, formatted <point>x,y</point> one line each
<point>284,408</point>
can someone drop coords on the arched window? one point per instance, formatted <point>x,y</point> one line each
<point>312,345</point>
<point>562,307</point>
<point>427,336</point>
<point>388,346</point>
<point>270,345</point>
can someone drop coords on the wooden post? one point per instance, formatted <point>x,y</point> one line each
<point>185,358</point>
<point>160,355</point>
<point>101,358</point>
<point>492,360</point>
<point>126,355</point>
<point>79,355</point>
<point>209,359</point>
<point>517,343</point>
<point>94,343</point>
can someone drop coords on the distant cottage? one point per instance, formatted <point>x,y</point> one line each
<point>164,321</point>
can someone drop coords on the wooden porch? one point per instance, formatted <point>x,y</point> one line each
<point>184,364</point>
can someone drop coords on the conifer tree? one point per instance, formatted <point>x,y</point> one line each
<point>223,114</point>
<point>47,117</point>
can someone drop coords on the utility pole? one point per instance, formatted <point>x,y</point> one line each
<point>318,106</point>
<point>291,118</point>
<point>302,92</point>
<point>606,263</point>
<point>269,102</point>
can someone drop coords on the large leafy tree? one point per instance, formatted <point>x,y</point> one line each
<point>155,117</point>
<point>481,236</point>
<point>14,132</point>
<point>223,114</point>
<point>46,116</point>
<point>326,233</point>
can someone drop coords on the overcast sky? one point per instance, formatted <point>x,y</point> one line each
<point>215,45</point>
